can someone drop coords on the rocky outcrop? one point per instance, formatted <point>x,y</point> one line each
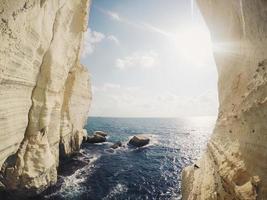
<point>116,145</point>
<point>103,134</point>
<point>139,141</point>
<point>44,90</point>
<point>96,139</point>
<point>235,162</point>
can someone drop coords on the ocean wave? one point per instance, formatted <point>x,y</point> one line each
<point>72,185</point>
<point>118,189</point>
<point>102,143</point>
<point>149,172</point>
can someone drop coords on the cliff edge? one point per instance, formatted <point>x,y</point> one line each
<point>235,162</point>
<point>44,90</point>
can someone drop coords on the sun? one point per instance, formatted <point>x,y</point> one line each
<point>193,44</point>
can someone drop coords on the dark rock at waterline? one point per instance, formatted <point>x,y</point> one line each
<point>71,165</point>
<point>101,133</point>
<point>85,138</point>
<point>139,141</point>
<point>196,166</point>
<point>96,138</point>
<point>116,145</point>
<point>110,150</point>
<point>2,187</point>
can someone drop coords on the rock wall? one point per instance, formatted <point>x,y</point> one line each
<point>44,90</point>
<point>235,163</point>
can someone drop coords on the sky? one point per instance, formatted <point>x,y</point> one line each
<point>149,58</point>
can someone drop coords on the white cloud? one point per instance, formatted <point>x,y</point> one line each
<point>109,86</point>
<point>144,60</point>
<point>91,39</point>
<point>116,100</point>
<point>140,25</point>
<point>114,15</point>
<point>114,39</point>
<point>155,29</point>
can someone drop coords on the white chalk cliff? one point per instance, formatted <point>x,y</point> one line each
<point>44,90</point>
<point>45,96</point>
<point>234,166</point>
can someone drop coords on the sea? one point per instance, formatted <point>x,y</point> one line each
<point>152,172</point>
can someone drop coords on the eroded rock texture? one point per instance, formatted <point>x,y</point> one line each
<point>234,165</point>
<point>44,90</point>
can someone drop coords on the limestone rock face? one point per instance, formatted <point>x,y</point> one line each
<point>44,90</point>
<point>235,162</point>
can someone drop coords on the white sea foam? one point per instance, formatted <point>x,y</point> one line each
<point>154,140</point>
<point>102,143</point>
<point>71,185</point>
<point>118,189</point>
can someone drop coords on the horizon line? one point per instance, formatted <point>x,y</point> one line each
<point>152,117</point>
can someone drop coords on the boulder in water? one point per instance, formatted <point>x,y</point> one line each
<point>116,145</point>
<point>96,139</point>
<point>101,133</point>
<point>139,141</point>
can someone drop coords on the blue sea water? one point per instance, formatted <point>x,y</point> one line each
<point>151,172</point>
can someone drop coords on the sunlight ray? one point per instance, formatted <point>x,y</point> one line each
<point>192,10</point>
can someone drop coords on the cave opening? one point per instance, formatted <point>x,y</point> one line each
<point>154,85</point>
<point>153,72</point>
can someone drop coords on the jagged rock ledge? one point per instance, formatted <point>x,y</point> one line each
<point>44,90</point>
<point>235,162</point>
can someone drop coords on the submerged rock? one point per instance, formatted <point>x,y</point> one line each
<point>101,133</point>
<point>96,139</point>
<point>116,145</point>
<point>139,141</point>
